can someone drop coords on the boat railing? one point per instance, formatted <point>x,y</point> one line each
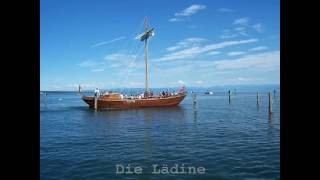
<point>142,96</point>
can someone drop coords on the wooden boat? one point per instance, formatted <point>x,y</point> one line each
<point>118,101</point>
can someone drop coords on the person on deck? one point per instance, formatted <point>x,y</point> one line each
<point>182,90</point>
<point>96,92</point>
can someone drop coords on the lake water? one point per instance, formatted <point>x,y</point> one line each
<point>236,140</point>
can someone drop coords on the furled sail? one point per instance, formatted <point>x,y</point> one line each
<point>147,34</point>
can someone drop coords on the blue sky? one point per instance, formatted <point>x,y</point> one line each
<point>196,43</point>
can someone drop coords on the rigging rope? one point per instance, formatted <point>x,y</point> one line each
<point>134,51</point>
<point>127,70</point>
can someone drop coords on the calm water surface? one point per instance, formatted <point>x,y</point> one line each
<point>232,141</point>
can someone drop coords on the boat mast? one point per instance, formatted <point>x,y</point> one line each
<point>146,53</point>
<point>144,37</point>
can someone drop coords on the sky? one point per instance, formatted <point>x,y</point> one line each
<point>197,43</point>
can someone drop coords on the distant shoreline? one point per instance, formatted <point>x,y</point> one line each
<point>221,88</point>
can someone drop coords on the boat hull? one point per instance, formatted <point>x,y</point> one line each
<point>134,103</point>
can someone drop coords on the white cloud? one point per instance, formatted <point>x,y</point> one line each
<point>114,65</point>
<point>85,85</point>
<point>55,87</point>
<point>190,52</point>
<point>186,43</point>
<point>107,42</point>
<point>190,10</point>
<point>265,61</point>
<point>228,36</point>
<point>214,52</point>
<point>97,70</point>
<point>88,64</point>
<point>199,82</point>
<point>225,10</point>
<point>242,31</point>
<point>175,19</point>
<point>140,64</point>
<point>93,66</point>
<point>195,39</point>
<point>258,27</point>
<point>239,28</point>
<point>241,21</point>
<point>245,79</point>
<point>172,70</point>
<point>181,82</point>
<point>242,80</point>
<point>236,53</point>
<point>187,12</point>
<point>259,48</point>
<point>93,85</point>
<point>133,84</point>
<point>115,60</point>
<point>119,57</point>
<point>125,62</point>
<point>72,85</point>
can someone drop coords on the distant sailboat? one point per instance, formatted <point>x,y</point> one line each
<point>118,101</point>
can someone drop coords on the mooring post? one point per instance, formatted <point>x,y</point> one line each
<point>270,103</point>
<point>274,94</point>
<point>258,98</point>
<point>194,98</point>
<point>45,99</point>
<point>229,92</point>
<point>95,102</point>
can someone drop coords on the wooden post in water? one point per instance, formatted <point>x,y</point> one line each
<point>229,92</point>
<point>45,99</point>
<point>95,102</point>
<point>270,103</point>
<point>194,106</point>
<point>258,99</point>
<point>194,97</point>
<point>79,89</point>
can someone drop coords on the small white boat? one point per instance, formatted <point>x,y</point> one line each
<point>208,92</point>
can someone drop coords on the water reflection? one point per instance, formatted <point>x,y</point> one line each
<point>194,110</point>
<point>43,101</point>
<point>270,117</point>
<point>148,114</point>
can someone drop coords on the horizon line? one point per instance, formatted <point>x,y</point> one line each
<point>225,85</point>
